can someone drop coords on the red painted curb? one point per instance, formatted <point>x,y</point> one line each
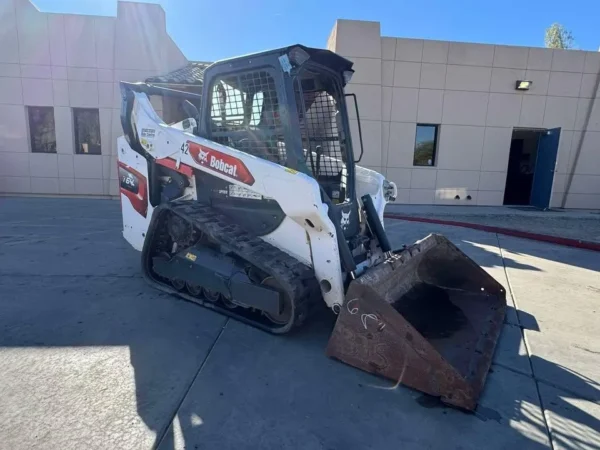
<point>587,245</point>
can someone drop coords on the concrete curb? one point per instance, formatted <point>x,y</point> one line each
<point>587,245</point>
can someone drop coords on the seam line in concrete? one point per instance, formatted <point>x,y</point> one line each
<point>60,275</point>
<point>527,349</point>
<point>512,369</point>
<point>160,439</point>
<point>542,380</point>
<point>576,395</point>
<point>547,383</point>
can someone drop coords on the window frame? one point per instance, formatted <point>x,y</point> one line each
<point>76,144</point>
<point>30,129</point>
<point>436,127</point>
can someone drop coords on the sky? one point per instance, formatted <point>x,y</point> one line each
<point>208,30</point>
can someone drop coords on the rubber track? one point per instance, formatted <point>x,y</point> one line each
<point>295,277</point>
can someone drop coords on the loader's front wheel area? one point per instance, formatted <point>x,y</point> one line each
<point>429,318</point>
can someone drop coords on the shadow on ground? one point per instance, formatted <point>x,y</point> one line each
<point>200,381</point>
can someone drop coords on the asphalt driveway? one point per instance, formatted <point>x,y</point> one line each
<point>91,357</point>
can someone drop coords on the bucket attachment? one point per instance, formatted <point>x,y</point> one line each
<point>428,317</point>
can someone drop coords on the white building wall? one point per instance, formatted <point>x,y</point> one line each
<point>67,61</point>
<point>469,89</point>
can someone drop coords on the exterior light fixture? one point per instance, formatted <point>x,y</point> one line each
<point>523,85</point>
<point>348,75</point>
<point>298,56</point>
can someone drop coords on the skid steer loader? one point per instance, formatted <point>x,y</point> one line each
<point>253,205</point>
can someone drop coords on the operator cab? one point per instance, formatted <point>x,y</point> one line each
<point>288,106</point>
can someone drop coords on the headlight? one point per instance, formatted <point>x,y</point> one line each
<point>390,190</point>
<point>348,76</point>
<point>298,56</point>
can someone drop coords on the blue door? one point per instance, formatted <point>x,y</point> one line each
<point>544,168</point>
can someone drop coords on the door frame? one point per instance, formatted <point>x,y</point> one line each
<point>540,132</point>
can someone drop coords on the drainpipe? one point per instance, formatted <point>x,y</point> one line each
<point>580,143</point>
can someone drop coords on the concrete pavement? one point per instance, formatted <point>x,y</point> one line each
<point>91,357</point>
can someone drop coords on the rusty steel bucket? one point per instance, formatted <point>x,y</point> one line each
<point>428,318</point>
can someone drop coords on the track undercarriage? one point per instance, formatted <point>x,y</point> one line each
<point>200,255</point>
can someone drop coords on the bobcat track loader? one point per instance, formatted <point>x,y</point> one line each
<point>253,205</point>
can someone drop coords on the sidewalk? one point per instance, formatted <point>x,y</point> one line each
<point>581,225</point>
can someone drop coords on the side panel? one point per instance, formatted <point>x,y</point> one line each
<point>370,182</point>
<point>260,215</point>
<point>297,194</point>
<point>292,239</point>
<point>136,209</point>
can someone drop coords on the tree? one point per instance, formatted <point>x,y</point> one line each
<point>557,36</point>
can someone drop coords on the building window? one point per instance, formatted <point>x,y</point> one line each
<point>41,129</point>
<point>425,145</point>
<point>87,131</point>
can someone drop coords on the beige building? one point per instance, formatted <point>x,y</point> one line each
<point>487,130</point>
<point>443,120</point>
<point>59,95</point>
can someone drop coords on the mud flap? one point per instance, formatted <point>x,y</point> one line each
<point>428,318</point>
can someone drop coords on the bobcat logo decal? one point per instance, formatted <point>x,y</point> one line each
<point>203,156</point>
<point>345,219</point>
<point>218,162</point>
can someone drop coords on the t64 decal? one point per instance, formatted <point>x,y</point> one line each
<point>134,186</point>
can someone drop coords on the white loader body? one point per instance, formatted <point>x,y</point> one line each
<point>307,233</point>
